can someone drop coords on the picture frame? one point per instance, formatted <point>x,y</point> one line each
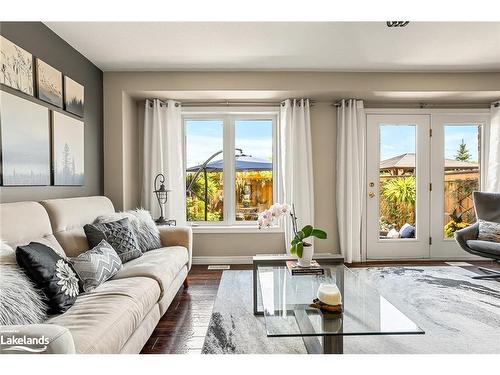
<point>74,97</point>
<point>17,67</point>
<point>49,83</point>
<point>25,142</point>
<point>68,150</point>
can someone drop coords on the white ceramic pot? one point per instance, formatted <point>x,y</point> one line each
<point>307,255</point>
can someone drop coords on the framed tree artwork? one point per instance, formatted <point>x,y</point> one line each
<point>73,96</point>
<point>16,67</point>
<point>67,150</point>
<point>49,83</point>
<point>25,140</point>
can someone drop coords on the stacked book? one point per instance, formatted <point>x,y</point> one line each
<point>313,269</point>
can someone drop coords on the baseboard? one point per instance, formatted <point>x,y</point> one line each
<point>222,260</point>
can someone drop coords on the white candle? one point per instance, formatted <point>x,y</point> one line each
<point>329,294</point>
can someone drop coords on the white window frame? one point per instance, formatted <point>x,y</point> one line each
<point>229,116</point>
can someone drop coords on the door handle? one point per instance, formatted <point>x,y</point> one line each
<point>371,194</point>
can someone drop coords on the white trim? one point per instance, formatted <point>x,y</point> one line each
<point>222,260</point>
<point>234,229</point>
<point>229,116</point>
<point>426,111</point>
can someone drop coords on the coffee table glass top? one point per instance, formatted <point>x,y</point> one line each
<point>286,299</point>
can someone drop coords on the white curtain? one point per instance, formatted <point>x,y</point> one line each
<point>162,153</point>
<point>351,172</point>
<point>493,162</point>
<point>296,162</point>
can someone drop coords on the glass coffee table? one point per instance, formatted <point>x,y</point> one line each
<point>285,300</point>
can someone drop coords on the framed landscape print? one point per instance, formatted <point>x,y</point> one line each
<point>25,133</point>
<point>16,67</point>
<point>73,96</point>
<point>68,150</point>
<point>49,83</point>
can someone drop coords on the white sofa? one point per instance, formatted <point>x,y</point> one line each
<point>120,315</point>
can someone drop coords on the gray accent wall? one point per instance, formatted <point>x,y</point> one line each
<point>42,42</point>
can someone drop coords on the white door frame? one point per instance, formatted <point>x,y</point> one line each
<point>417,111</point>
<point>442,248</point>
<point>411,248</point>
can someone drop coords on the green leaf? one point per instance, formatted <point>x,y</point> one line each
<point>295,241</point>
<point>293,249</point>
<point>307,230</point>
<point>300,235</point>
<point>299,247</point>
<point>318,233</point>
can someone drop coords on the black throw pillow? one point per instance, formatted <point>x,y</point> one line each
<point>118,234</point>
<point>50,272</point>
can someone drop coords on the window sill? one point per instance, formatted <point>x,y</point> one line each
<point>234,229</point>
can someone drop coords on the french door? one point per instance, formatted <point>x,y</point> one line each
<point>398,186</point>
<point>457,149</point>
<point>421,172</point>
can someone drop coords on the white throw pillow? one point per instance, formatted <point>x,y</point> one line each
<point>489,231</point>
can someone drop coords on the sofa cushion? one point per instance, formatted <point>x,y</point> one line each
<point>25,222</point>
<point>103,321</point>
<point>492,248</point>
<point>68,216</point>
<point>162,265</point>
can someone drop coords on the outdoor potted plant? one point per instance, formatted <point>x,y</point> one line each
<point>299,247</point>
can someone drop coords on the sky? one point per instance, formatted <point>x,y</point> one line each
<point>397,139</point>
<point>205,137</point>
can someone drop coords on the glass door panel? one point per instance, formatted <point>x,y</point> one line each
<point>461,175</point>
<point>398,186</point>
<point>457,150</point>
<point>397,177</point>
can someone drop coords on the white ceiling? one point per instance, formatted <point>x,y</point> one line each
<point>331,46</point>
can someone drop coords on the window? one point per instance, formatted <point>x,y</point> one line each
<point>230,166</point>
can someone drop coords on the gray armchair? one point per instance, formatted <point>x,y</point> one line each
<point>487,206</point>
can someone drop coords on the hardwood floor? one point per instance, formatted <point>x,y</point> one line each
<point>183,328</point>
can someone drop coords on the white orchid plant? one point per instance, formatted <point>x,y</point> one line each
<point>270,216</point>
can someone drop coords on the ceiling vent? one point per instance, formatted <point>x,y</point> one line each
<point>397,23</point>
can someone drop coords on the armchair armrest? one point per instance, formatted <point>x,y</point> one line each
<point>36,339</point>
<point>469,233</point>
<point>178,236</point>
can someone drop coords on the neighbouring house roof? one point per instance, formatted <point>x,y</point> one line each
<point>407,161</point>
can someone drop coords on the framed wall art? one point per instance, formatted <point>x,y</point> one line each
<point>73,97</point>
<point>49,83</point>
<point>67,150</point>
<point>25,141</point>
<point>16,67</point>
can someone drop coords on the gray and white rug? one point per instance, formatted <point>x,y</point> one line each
<point>457,313</point>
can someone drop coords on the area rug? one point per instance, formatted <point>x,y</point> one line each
<point>457,313</point>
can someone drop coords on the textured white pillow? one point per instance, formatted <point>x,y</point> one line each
<point>27,307</point>
<point>7,254</point>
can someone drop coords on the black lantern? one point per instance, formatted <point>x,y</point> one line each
<point>162,196</point>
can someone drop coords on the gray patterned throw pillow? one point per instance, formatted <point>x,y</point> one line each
<point>489,231</point>
<point>143,225</point>
<point>96,265</point>
<point>118,234</point>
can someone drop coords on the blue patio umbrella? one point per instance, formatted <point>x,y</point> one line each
<point>243,163</point>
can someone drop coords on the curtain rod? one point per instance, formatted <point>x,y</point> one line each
<point>431,105</point>
<point>227,103</point>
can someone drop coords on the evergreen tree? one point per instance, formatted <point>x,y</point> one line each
<point>463,153</point>
<point>66,163</point>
